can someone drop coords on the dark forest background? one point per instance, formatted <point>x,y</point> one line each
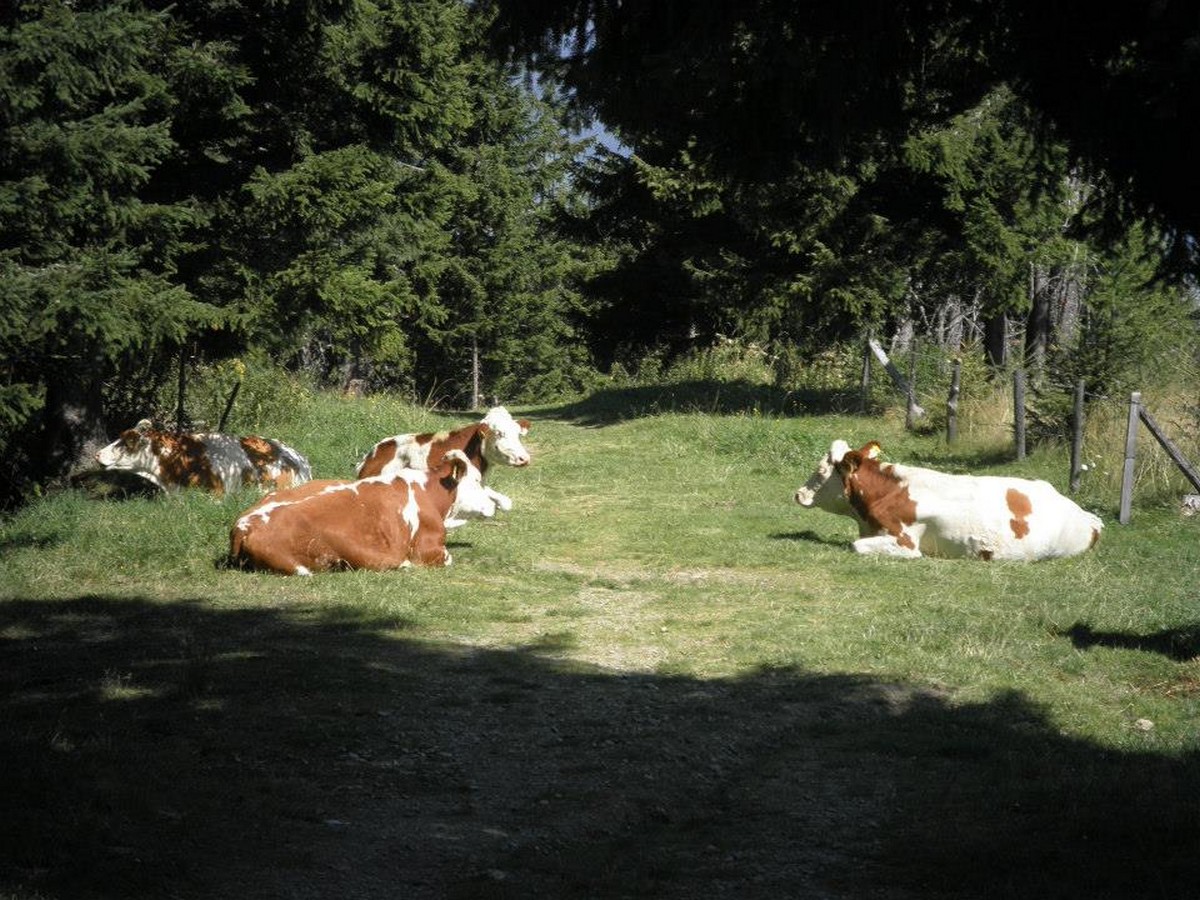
<point>396,194</point>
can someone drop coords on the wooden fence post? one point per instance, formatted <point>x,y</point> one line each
<point>952,402</point>
<point>1077,436</point>
<point>229,404</point>
<point>1019,412</point>
<point>1189,472</point>
<point>915,410</point>
<point>910,395</point>
<point>864,386</point>
<point>1135,402</point>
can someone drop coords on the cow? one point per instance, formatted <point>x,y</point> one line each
<point>494,439</point>
<point>216,462</point>
<point>906,511</point>
<point>379,523</point>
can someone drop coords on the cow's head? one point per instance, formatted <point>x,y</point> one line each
<point>502,438</point>
<point>825,488</point>
<point>133,450</point>
<point>472,499</point>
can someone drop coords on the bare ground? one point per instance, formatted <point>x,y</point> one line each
<point>181,752</point>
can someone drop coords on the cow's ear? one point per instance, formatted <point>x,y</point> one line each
<point>143,426</point>
<point>871,450</point>
<point>458,467</point>
<point>849,463</point>
<point>524,423</point>
<point>484,429</point>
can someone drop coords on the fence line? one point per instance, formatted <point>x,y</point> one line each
<point>1138,413</point>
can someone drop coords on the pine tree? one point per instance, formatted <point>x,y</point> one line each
<point>87,263</point>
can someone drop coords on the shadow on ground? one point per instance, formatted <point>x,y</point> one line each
<point>611,405</point>
<point>182,751</point>
<point>1179,644</point>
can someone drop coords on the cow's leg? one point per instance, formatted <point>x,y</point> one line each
<point>427,545</point>
<point>271,559</point>
<point>500,499</point>
<point>352,554</point>
<point>903,545</point>
<point>429,551</point>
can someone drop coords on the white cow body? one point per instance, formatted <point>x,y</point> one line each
<point>494,439</point>
<point>908,511</point>
<point>208,460</point>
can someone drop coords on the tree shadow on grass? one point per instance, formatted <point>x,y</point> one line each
<point>1179,644</point>
<point>182,750</point>
<point>611,405</point>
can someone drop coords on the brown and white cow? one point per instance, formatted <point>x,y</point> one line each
<point>212,461</point>
<point>494,439</point>
<point>908,511</point>
<point>382,522</point>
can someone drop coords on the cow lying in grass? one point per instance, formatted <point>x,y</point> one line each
<point>211,461</point>
<point>382,522</point>
<point>907,511</point>
<point>494,439</point>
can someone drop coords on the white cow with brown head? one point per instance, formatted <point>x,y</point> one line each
<point>494,439</point>
<point>908,511</point>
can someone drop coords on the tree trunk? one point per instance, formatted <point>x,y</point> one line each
<point>995,340</point>
<point>1038,325</point>
<point>72,423</point>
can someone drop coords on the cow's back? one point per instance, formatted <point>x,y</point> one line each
<point>376,523</point>
<point>328,524</point>
<point>995,517</point>
<point>389,456</point>
<point>274,463</point>
<point>211,461</point>
<point>422,452</point>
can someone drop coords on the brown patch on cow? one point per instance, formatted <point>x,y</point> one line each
<point>383,453</point>
<point>262,453</point>
<point>1020,506</point>
<point>182,461</point>
<point>361,528</point>
<point>877,495</point>
<point>260,450</point>
<point>267,458</point>
<point>1095,538</point>
<point>468,439</point>
<point>905,541</point>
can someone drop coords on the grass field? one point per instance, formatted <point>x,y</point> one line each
<point>655,677</point>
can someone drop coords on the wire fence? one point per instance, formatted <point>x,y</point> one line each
<point>1059,411</point>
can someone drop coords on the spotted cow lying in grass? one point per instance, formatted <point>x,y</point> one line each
<point>494,439</point>
<point>209,460</point>
<point>907,511</point>
<point>382,522</point>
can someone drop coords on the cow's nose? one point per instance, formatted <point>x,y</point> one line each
<point>804,497</point>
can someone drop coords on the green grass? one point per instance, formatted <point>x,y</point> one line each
<point>656,676</point>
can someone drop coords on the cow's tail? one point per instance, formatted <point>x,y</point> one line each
<point>237,558</point>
